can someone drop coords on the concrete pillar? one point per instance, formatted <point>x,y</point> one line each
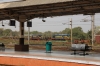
<point>21,46</point>
<point>21,40</point>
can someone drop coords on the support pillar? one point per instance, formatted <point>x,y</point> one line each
<point>21,46</point>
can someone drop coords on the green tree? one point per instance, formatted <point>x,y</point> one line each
<point>48,34</point>
<point>97,30</point>
<point>78,33</point>
<point>66,31</point>
<point>7,32</point>
<point>89,34</point>
<point>15,33</point>
<point>35,32</point>
<point>1,31</point>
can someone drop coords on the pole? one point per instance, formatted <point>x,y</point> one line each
<point>28,35</point>
<point>92,27</point>
<point>21,40</point>
<point>71,29</point>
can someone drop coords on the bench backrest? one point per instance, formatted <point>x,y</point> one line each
<point>79,47</point>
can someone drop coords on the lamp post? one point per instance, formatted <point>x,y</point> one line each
<point>92,27</point>
<point>29,24</point>
<point>28,35</point>
<point>71,29</point>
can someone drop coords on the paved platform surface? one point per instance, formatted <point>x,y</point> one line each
<point>64,56</point>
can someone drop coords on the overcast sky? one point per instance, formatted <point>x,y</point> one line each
<point>1,1</point>
<point>57,24</point>
<point>54,24</point>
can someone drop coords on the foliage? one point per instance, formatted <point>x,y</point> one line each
<point>97,30</point>
<point>66,31</point>
<point>1,31</point>
<point>7,32</point>
<point>89,35</point>
<point>77,33</point>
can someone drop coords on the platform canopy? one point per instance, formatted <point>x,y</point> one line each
<point>29,9</point>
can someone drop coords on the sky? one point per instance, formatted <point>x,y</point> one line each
<point>55,24</point>
<point>2,1</point>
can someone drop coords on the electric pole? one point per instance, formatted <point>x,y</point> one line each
<point>92,25</point>
<point>28,35</point>
<point>71,29</point>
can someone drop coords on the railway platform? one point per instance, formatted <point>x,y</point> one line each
<point>41,58</point>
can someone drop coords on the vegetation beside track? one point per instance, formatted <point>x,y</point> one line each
<point>40,44</point>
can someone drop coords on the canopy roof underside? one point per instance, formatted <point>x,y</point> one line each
<point>47,8</point>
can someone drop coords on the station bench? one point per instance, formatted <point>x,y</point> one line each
<point>80,49</point>
<point>2,47</point>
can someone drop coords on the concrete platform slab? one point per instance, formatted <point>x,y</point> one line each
<point>58,56</point>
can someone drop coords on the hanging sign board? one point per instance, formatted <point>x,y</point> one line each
<point>4,1</point>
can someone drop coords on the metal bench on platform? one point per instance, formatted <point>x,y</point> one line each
<point>2,47</point>
<point>82,48</point>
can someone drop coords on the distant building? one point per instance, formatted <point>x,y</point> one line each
<point>97,39</point>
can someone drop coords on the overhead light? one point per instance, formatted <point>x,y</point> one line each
<point>29,23</point>
<point>2,24</point>
<point>12,22</point>
<point>43,20</point>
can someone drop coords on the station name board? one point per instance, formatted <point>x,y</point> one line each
<point>4,1</point>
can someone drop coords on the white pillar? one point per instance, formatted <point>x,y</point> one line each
<point>92,27</point>
<point>28,35</point>
<point>71,30</point>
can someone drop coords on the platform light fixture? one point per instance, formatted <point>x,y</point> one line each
<point>12,22</point>
<point>43,20</point>
<point>2,23</point>
<point>29,23</point>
